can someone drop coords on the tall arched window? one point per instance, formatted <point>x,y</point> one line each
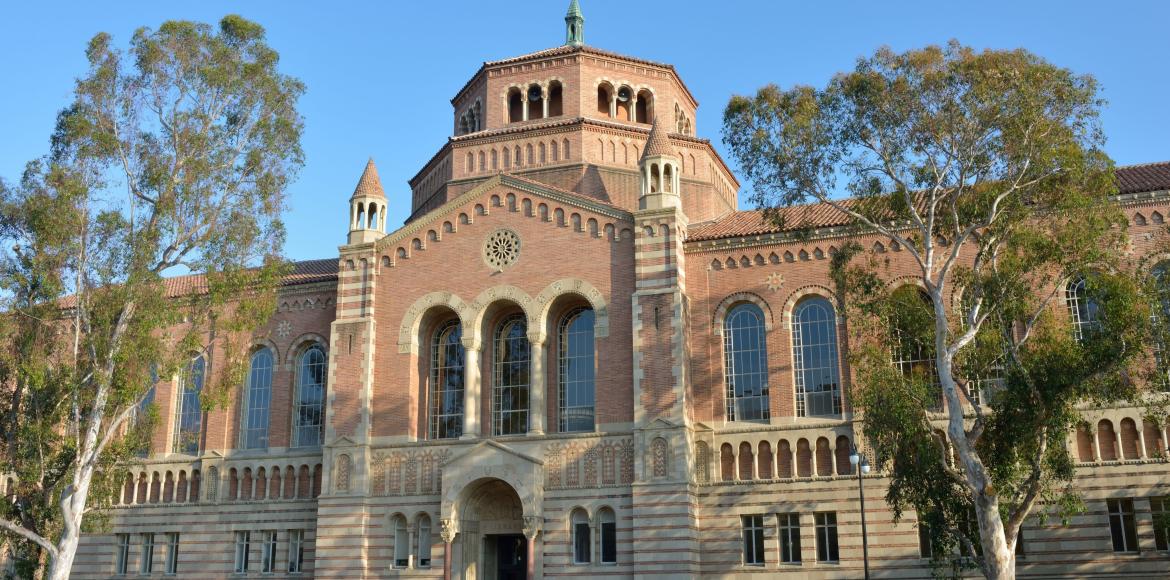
<point>259,399</point>
<point>912,326</point>
<point>1084,310</point>
<point>424,541</point>
<point>745,366</point>
<point>576,371</point>
<point>401,543</point>
<point>447,374</point>
<point>188,412</point>
<point>579,521</point>
<point>310,397</point>
<point>608,529</point>
<point>815,358</point>
<point>511,377</point>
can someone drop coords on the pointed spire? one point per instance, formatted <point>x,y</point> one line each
<point>658,143</point>
<point>370,185</point>
<point>574,25</point>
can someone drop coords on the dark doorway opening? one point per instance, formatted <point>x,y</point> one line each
<point>510,553</point>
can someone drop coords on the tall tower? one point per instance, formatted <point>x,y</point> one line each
<point>367,207</point>
<point>574,25</point>
<point>659,167</point>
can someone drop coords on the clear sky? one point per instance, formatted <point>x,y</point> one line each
<point>380,75</point>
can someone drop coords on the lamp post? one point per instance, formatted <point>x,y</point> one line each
<point>861,466</point>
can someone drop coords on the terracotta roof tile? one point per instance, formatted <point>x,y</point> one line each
<point>370,185</point>
<point>1144,177</point>
<point>658,143</point>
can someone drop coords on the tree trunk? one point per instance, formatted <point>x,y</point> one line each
<point>999,559</point>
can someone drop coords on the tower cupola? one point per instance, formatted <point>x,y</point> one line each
<point>574,25</point>
<point>367,207</point>
<point>659,168</point>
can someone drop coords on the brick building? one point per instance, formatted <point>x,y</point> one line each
<point>532,376</point>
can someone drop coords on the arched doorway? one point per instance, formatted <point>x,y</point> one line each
<point>491,543</point>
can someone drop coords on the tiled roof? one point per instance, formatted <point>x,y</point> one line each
<point>1144,177</point>
<point>1130,179</point>
<point>562,191</point>
<point>370,185</point>
<point>303,272</point>
<point>658,143</point>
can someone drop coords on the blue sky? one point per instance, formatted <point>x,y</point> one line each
<point>380,75</point>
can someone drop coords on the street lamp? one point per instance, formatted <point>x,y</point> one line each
<point>861,467</point>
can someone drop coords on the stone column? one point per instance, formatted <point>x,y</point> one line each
<point>833,455</point>
<point>544,99</point>
<point>447,532</point>
<point>532,527</point>
<point>471,388</point>
<point>634,108</point>
<point>1119,451</point>
<point>524,105</point>
<point>536,389</point>
<point>1096,435</point>
<point>1141,441</point>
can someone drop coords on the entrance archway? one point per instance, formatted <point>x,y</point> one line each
<point>491,544</point>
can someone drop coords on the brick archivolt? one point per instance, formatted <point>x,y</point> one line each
<point>471,314</point>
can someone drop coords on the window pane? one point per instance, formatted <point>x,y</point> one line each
<point>307,409</point>
<point>511,381</point>
<point>188,413</point>
<point>745,364</point>
<point>401,543</point>
<point>815,358</point>
<point>790,538</point>
<point>447,376</point>
<point>576,371</point>
<point>424,542</point>
<point>1160,510</point>
<point>581,543</point>
<point>259,396</point>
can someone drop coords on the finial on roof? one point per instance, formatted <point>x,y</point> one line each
<point>370,185</point>
<point>574,25</point>
<point>658,143</point>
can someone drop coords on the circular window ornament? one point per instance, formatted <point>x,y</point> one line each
<point>501,249</point>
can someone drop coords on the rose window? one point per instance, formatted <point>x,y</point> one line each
<point>501,249</point>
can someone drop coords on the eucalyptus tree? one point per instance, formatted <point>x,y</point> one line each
<point>985,169</point>
<point>172,158</point>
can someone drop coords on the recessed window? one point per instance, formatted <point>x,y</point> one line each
<point>608,524</point>
<point>122,554</point>
<point>243,547</point>
<point>268,553</point>
<point>579,521</point>
<point>309,404</point>
<point>745,367</point>
<point>146,562</point>
<point>1084,310</point>
<point>259,397</point>
<point>188,413</point>
<point>424,541</point>
<point>1160,510</point>
<point>826,523</point>
<point>1122,525</point>
<point>790,538</point>
<point>815,358</point>
<point>753,540</point>
<point>401,543</point>
<point>576,371</point>
<point>172,565</point>
<point>447,376</point>
<point>296,550</point>
<point>511,380</point>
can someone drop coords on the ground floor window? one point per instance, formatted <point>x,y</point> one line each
<point>1160,509</point>
<point>753,540</point>
<point>1122,526</point>
<point>172,566</point>
<point>122,554</point>
<point>790,538</point>
<point>424,541</point>
<point>146,563</point>
<point>296,550</point>
<point>826,523</point>
<point>243,541</point>
<point>268,555</point>
<point>581,541</point>
<point>608,536</point>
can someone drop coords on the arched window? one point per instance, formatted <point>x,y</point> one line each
<point>401,543</point>
<point>604,99</point>
<point>814,358</point>
<point>608,528</point>
<point>424,541</point>
<point>447,374</point>
<point>310,397</point>
<point>1083,308</point>
<point>511,377</point>
<point>576,371</point>
<point>644,110</point>
<point>188,412</point>
<point>745,366</point>
<point>535,102</point>
<point>1160,317</point>
<point>579,521</point>
<point>259,399</point>
<point>913,336</point>
<point>555,106</point>
<point>515,106</point>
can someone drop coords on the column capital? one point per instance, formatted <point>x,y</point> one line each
<point>533,525</point>
<point>448,530</point>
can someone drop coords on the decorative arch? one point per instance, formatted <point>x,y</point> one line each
<point>408,331</point>
<point>578,287</point>
<point>805,292</point>
<point>478,308</point>
<point>727,303</point>
<point>302,342</point>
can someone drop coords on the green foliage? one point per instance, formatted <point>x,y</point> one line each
<point>986,167</point>
<point>172,158</point>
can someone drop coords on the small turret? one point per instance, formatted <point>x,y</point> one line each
<point>659,167</point>
<point>367,207</point>
<point>574,25</point>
